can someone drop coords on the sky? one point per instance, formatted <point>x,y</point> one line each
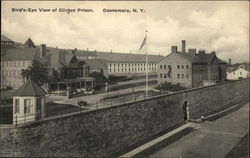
<point>210,25</point>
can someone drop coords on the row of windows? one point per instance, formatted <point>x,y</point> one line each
<point>12,73</point>
<point>178,76</point>
<point>130,69</point>
<point>169,66</point>
<point>199,67</point>
<point>12,83</point>
<point>131,64</point>
<point>5,43</point>
<point>15,63</point>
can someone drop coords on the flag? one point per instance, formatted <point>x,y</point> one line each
<point>143,42</point>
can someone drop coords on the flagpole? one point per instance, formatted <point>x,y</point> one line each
<point>146,67</point>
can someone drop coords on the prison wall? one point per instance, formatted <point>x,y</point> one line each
<point>104,131</point>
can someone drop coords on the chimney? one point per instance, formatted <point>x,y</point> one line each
<point>201,52</point>
<point>230,61</point>
<point>193,51</point>
<point>74,51</point>
<point>183,43</point>
<point>174,49</point>
<point>42,50</point>
<point>213,52</point>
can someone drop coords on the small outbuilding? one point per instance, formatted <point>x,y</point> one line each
<point>28,103</point>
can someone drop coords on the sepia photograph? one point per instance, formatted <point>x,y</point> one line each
<point>120,79</point>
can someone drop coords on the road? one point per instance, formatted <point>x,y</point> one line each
<point>212,139</point>
<point>92,99</point>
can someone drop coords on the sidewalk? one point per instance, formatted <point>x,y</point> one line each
<point>156,141</point>
<point>207,140</point>
<point>213,139</point>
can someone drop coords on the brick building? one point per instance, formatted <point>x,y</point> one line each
<point>14,61</point>
<point>191,69</point>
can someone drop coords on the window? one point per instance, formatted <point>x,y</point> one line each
<point>240,73</point>
<point>160,75</point>
<point>16,106</point>
<point>165,75</point>
<point>234,73</point>
<point>110,65</point>
<point>27,106</point>
<point>160,66</point>
<point>169,75</point>
<point>182,66</point>
<point>109,70</point>
<point>178,66</point>
<point>178,75</point>
<point>182,75</point>
<point>165,66</point>
<point>187,75</point>
<point>187,66</point>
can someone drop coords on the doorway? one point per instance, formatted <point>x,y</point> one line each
<point>185,110</point>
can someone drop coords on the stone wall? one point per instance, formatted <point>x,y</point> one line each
<point>104,131</point>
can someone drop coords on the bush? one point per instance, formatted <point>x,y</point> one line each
<point>170,87</point>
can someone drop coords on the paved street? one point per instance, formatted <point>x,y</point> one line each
<point>212,139</point>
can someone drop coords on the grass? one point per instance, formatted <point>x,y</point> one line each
<point>6,114</point>
<point>54,109</point>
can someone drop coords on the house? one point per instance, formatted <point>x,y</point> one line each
<point>191,69</point>
<point>97,65</point>
<point>238,73</point>
<point>28,103</point>
<point>74,74</point>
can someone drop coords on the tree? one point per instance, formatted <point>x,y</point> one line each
<point>38,73</point>
<point>55,76</point>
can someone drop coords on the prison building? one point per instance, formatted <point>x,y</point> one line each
<point>191,69</point>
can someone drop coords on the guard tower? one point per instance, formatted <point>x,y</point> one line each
<point>28,103</point>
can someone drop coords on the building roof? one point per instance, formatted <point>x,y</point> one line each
<point>20,54</point>
<point>29,43</point>
<point>85,53</point>
<point>199,58</point>
<point>126,57</point>
<point>29,88</point>
<point>96,64</point>
<point>6,39</point>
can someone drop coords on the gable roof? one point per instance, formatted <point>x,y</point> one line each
<point>29,43</point>
<point>96,64</point>
<point>127,57</point>
<point>21,54</point>
<point>6,39</point>
<point>29,88</point>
